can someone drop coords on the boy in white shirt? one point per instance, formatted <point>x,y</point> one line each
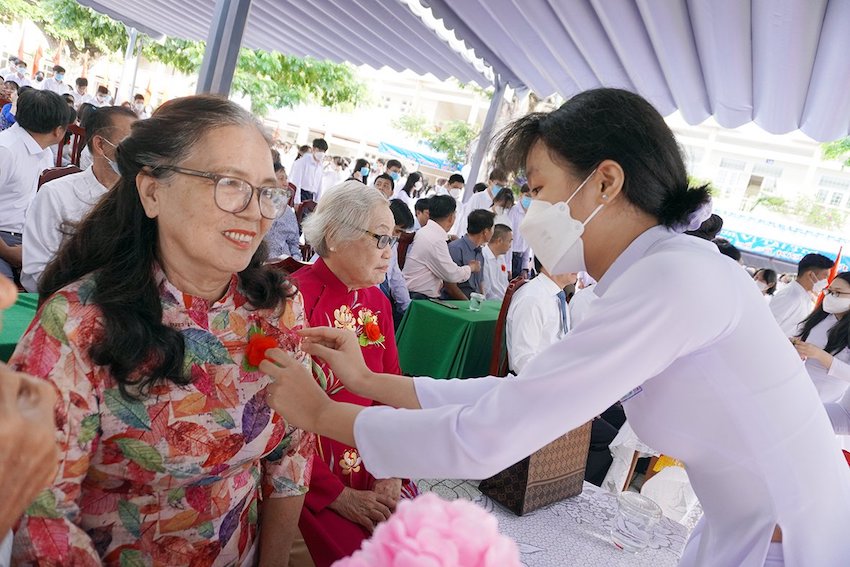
<point>497,268</point>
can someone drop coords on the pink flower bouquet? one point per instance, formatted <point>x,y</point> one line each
<point>432,532</point>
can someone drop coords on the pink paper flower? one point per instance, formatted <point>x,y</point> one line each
<point>431,532</point>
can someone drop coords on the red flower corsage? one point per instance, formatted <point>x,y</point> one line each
<point>504,268</point>
<point>255,352</point>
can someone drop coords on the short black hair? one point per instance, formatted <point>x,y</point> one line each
<point>500,230</point>
<point>401,214</point>
<point>393,163</point>
<point>479,220</point>
<point>16,86</point>
<point>479,187</point>
<point>102,89</point>
<point>498,174</point>
<point>21,62</point>
<point>58,69</point>
<point>43,111</point>
<point>82,82</point>
<point>811,262</point>
<point>456,178</point>
<point>389,178</point>
<point>13,59</point>
<point>423,204</point>
<point>278,167</point>
<point>727,249</point>
<point>441,207</point>
<point>101,121</point>
<point>320,144</point>
<point>138,96</point>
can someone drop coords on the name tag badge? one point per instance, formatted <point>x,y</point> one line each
<point>631,394</point>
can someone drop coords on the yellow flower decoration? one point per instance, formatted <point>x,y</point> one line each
<point>350,462</point>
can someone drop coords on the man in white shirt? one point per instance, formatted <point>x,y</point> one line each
<point>139,106</point>
<point>41,121</point>
<point>80,93</point>
<point>306,173</point>
<point>497,269</point>
<point>68,199</point>
<point>482,199</point>
<point>56,82</point>
<point>12,68</point>
<point>794,303</point>
<point>20,75</point>
<point>428,262</point>
<point>520,252</point>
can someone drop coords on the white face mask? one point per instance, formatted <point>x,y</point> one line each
<point>555,236</point>
<point>761,285</point>
<point>455,193</point>
<point>833,304</point>
<point>319,156</point>
<point>819,286</point>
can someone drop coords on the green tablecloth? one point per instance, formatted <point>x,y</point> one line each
<point>14,321</point>
<point>447,343</point>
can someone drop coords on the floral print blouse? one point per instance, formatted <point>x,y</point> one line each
<point>176,477</point>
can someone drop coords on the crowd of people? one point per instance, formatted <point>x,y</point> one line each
<point>180,441</point>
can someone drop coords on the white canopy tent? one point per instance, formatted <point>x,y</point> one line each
<point>784,64</point>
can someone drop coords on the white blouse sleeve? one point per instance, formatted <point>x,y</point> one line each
<point>630,338</point>
<point>839,369</point>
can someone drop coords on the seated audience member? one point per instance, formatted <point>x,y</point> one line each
<point>521,252</point>
<point>28,442</point>
<point>306,172</point>
<point>384,183</point>
<point>360,171</point>
<point>765,279</point>
<point>80,93</point>
<point>497,267</point>
<point>56,83</point>
<point>468,249</point>
<point>139,106</point>
<point>352,232</point>
<point>795,301</point>
<point>420,209</point>
<point>20,75</point>
<point>394,287</point>
<point>42,120</point>
<point>479,187</point>
<point>102,97</point>
<point>394,170</point>
<point>539,317</point>
<point>728,249</point>
<point>582,298</point>
<point>428,263</point>
<point>709,229</point>
<point>455,186</point>
<point>169,452</point>
<point>63,202</point>
<point>284,237</point>
<point>410,190</point>
<point>503,204</point>
<point>7,112</point>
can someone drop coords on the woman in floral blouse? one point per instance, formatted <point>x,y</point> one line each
<point>169,453</point>
<point>351,230</point>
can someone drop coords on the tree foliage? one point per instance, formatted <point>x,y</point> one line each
<point>837,150</point>
<point>272,80</point>
<point>451,138</point>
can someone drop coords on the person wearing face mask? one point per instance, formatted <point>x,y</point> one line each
<point>102,97</point>
<point>56,83</point>
<point>455,186</point>
<point>824,341</point>
<point>306,173</point>
<point>361,170</point>
<point>408,191</point>
<point>793,303</point>
<point>765,279</point>
<point>502,204</point>
<point>21,75</point>
<point>64,201</point>
<point>393,168</point>
<point>80,93</point>
<point>497,180</point>
<point>677,332</point>
<point>520,250</point>
<point>139,106</point>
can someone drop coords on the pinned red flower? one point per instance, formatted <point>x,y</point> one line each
<point>373,331</point>
<point>504,268</point>
<point>258,344</point>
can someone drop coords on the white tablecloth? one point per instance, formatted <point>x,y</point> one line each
<point>575,531</point>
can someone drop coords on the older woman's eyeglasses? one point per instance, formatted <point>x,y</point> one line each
<point>384,240</point>
<point>233,195</point>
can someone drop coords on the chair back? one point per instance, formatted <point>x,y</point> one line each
<point>499,359</point>
<point>4,101</point>
<point>404,242</point>
<point>289,265</point>
<point>55,173</point>
<point>76,136</point>
<point>303,209</point>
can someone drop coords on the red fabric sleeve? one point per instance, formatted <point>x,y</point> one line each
<point>325,487</point>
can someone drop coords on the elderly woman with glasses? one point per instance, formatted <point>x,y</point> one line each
<point>352,232</point>
<point>156,312</point>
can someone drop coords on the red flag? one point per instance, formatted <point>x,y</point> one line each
<point>36,60</point>
<point>832,272</point>
<point>21,45</point>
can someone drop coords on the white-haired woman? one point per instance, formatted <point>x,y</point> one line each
<point>352,232</point>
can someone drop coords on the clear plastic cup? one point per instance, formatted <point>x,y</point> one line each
<point>475,300</point>
<point>636,518</point>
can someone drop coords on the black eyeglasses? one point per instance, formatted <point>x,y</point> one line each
<point>384,240</point>
<point>233,195</point>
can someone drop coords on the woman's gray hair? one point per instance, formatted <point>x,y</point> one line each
<point>343,211</point>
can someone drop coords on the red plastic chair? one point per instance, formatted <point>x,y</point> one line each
<point>56,173</point>
<point>404,242</point>
<point>499,359</point>
<point>77,140</point>
<point>289,265</point>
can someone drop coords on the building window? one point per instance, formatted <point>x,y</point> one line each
<point>836,199</point>
<point>820,197</point>
<point>834,182</point>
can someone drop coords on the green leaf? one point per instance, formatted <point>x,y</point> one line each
<point>252,513</point>
<point>131,412</point>
<point>223,418</point>
<point>54,314</point>
<point>88,428</point>
<point>141,453</point>
<point>202,347</point>
<point>44,506</point>
<point>129,515</point>
<point>132,558</point>
<point>320,374</point>
<point>175,497</point>
<point>363,340</point>
<point>221,321</point>
<point>206,530</point>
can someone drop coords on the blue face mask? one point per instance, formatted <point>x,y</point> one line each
<point>60,76</point>
<point>526,202</point>
<point>364,171</point>
<point>394,175</point>
<point>496,188</point>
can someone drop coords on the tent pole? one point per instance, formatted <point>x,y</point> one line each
<point>223,43</point>
<point>484,137</point>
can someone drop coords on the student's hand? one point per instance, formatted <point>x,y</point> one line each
<point>293,393</point>
<point>808,350</point>
<point>341,350</point>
